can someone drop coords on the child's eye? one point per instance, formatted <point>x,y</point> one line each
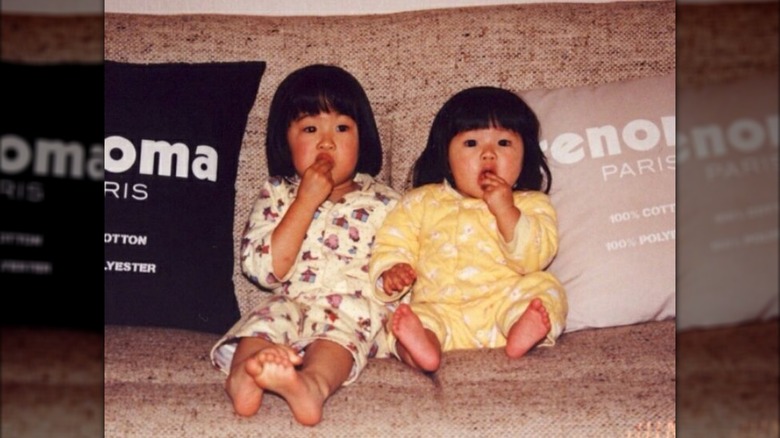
<point>342,128</point>
<point>470,143</point>
<point>309,129</point>
<point>504,142</point>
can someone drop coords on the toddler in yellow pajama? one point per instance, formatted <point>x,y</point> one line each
<point>473,238</point>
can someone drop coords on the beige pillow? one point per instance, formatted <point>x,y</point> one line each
<point>611,151</point>
<point>728,187</point>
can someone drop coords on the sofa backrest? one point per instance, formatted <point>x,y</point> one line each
<point>409,63</point>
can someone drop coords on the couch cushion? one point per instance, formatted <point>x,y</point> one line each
<point>606,382</point>
<point>172,139</point>
<point>611,151</point>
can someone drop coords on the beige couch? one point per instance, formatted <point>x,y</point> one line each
<point>158,382</point>
<point>610,382</point>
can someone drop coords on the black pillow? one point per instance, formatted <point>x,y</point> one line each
<point>172,138</point>
<point>51,200</point>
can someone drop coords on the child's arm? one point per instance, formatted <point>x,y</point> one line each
<point>535,240</point>
<point>261,247</point>
<point>286,240</point>
<point>497,194</point>
<point>525,220</point>
<point>256,242</point>
<point>397,245</point>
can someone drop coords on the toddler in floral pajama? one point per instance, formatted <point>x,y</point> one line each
<point>308,242</point>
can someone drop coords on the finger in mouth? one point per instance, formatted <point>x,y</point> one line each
<point>484,174</point>
<point>323,157</point>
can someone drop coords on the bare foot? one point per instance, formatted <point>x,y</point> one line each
<point>526,332</point>
<point>415,339</point>
<point>244,392</point>
<point>242,388</point>
<point>274,370</point>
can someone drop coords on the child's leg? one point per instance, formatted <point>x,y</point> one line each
<point>241,383</point>
<point>532,326</point>
<point>536,316</point>
<point>326,366</point>
<point>417,346</point>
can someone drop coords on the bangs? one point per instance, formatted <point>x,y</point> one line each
<point>313,102</point>
<point>484,112</point>
<point>488,120</point>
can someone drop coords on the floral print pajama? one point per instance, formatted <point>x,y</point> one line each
<point>326,294</point>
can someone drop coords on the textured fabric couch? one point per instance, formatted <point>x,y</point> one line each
<point>617,381</point>
<point>606,382</point>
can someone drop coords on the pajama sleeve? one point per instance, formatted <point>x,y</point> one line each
<point>397,241</point>
<point>535,241</point>
<point>268,210</point>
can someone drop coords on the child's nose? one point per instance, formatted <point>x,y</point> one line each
<point>326,143</point>
<point>488,153</point>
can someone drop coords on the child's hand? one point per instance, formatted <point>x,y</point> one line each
<point>317,181</point>
<point>496,193</point>
<point>397,278</point>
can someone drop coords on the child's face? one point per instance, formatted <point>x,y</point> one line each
<point>472,153</point>
<point>328,135</point>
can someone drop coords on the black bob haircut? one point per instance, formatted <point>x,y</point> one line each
<point>309,91</point>
<point>482,108</point>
